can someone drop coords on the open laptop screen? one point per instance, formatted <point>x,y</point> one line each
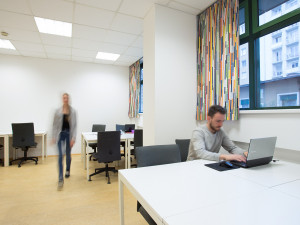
<point>261,151</point>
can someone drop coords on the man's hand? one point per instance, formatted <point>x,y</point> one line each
<point>231,157</point>
<point>72,143</point>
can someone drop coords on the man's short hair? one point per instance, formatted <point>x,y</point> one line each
<point>215,109</point>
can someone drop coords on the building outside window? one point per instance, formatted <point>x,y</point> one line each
<point>274,79</point>
<point>142,87</point>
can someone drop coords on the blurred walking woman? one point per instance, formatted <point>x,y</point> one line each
<point>64,134</point>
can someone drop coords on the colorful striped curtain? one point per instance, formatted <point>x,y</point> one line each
<point>218,61</point>
<point>134,90</point>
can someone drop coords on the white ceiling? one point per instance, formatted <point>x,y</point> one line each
<point>114,26</point>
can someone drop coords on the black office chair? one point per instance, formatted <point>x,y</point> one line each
<point>120,127</point>
<point>1,161</point>
<point>151,156</point>
<point>183,145</point>
<point>96,128</point>
<point>129,127</point>
<point>23,137</point>
<point>108,151</point>
<point>138,142</point>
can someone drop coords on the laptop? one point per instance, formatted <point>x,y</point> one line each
<point>260,152</point>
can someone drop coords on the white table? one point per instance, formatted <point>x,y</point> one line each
<point>91,137</point>
<point>191,193</point>
<point>7,135</point>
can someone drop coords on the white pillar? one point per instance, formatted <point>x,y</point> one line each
<point>170,75</point>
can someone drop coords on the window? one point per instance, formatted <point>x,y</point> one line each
<point>288,99</point>
<point>292,35</point>
<point>269,9</point>
<point>245,103</point>
<point>290,4</point>
<point>142,86</point>
<point>243,51</point>
<point>244,63</point>
<point>276,54</point>
<point>277,70</point>
<point>293,64</point>
<point>292,51</point>
<point>242,21</point>
<point>273,79</point>
<point>244,76</point>
<point>277,39</point>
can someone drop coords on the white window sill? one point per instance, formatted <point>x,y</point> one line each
<point>270,111</point>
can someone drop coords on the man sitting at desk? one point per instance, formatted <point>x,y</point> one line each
<point>207,140</point>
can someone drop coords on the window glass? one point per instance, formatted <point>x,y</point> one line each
<point>242,21</point>
<point>279,68</point>
<point>271,9</point>
<point>141,90</point>
<point>244,76</point>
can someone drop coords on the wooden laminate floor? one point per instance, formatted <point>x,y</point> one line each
<point>29,196</point>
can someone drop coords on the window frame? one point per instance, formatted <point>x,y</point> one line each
<point>251,36</point>
<point>141,110</point>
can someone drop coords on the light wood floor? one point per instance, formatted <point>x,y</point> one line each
<point>29,196</point>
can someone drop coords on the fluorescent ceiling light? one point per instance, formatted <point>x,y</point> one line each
<point>107,56</point>
<point>53,27</point>
<point>6,44</point>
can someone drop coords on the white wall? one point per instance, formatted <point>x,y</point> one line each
<point>149,79</point>
<point>284,125</point>
<point>169,75</point>
<point>254,125</point>
<point>31,90</point>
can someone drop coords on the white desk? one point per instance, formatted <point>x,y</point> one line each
<point>91,137</point>
<point>191,193</point>
<point>265,207</point>
<point>7,135</point>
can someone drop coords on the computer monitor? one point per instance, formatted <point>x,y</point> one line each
<point>129,127</point>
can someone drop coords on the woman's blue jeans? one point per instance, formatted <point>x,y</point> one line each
<point>64,140</point>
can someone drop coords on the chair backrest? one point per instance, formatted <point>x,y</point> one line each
<point>108,146</point>
<point>183,145</point>
<point>129,127</point>
<point>98,127</point>
<point>23,135</point>
<point>157,155</point>
<point>120,127</point>
<point>138,138</point>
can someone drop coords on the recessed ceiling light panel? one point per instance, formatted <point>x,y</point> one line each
<point>53,27</point>
<point>107,56</point>
<point>6,44</point>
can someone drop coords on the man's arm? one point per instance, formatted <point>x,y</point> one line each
<point>236,153</point>
<point>198,149</point>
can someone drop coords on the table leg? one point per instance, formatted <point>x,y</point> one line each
<point>83,149</point>
<point>43,147</point>
<point>121,201</point>
<point>126,156</point>
<point>87,165</point>
<point>82,140</point>
<point>128,153</point>
<point>6,150</point>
